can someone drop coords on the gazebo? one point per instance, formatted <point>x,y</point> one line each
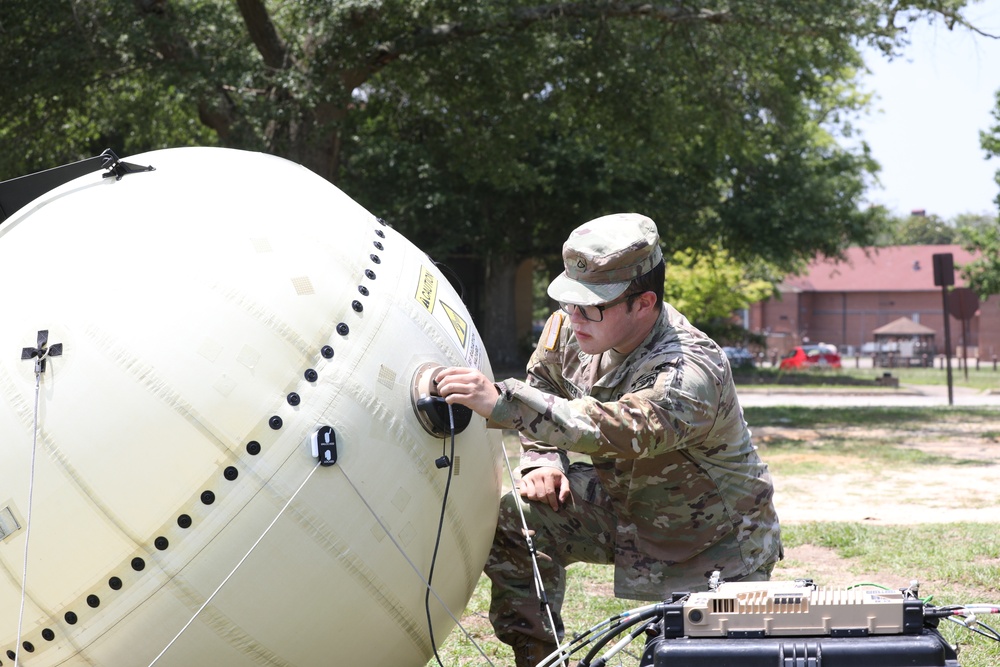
<point>904,342</point>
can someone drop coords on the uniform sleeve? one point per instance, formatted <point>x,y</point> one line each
<point>666,410</point>
<point>543,376</point>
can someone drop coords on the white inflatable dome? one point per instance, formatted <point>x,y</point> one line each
<point>213,315</point>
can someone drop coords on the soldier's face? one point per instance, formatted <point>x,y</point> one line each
<point>625,325</point>
<point>599,337</point>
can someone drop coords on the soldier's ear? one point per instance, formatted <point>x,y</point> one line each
<point>646,300</point>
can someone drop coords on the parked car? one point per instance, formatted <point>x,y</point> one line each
<point>811,356</point>
<point>739,357</point>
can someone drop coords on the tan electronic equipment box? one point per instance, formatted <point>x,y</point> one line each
<point>794,608</point>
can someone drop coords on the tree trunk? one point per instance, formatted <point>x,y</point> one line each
<point>498,319</point>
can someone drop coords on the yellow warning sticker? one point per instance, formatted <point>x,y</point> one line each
<point>461,328</point>
<point>427,289</point>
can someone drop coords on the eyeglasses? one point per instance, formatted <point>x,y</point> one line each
<point>595,313</point>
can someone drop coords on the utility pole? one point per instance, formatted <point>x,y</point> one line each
<point>944,275</point>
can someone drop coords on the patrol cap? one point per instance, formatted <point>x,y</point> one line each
<point>603,256</point>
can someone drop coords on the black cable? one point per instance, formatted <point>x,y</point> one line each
<point>613,632</point>
<point>437,539</point>
<point>453,278</point>
<point>601,662</point>
<point>992,634</point>
<point>612,624</point>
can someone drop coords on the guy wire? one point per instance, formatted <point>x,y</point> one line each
<point>413,565</point>
<point>27,528</point>
<point>238,566</point>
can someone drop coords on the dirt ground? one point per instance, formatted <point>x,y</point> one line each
<point>963,488</point>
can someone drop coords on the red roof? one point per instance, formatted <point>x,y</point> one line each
<point>901,268</point>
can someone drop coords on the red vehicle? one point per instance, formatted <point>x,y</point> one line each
<point>811,356</point>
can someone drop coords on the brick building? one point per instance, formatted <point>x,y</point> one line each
<point>842,303</point>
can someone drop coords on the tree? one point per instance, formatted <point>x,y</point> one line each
<point>485,130</point>
<point>980,221</point>
<point>920,229</point>
<point>981,234</point>
<point>983,273</point>
<point>709,286</point>
<point>990,141</point>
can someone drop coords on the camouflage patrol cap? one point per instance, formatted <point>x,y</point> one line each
<point>603,256</point>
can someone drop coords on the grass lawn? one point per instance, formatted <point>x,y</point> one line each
<point>983,378</point>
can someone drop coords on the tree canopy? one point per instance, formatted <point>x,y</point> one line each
<point>983,273</point>
<point>983,236</point>
<point>485,131</point>
<point>919,229</point>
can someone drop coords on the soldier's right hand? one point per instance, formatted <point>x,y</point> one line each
<point>546,484</point>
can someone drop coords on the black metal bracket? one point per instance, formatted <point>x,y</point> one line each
<point>119,169</point>
<point>42,352</point>
<point>18,192</point>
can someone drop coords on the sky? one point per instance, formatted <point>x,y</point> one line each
<point>931,103</point>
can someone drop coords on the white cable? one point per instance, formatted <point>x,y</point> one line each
<point>27,528</point>
<point>982,608</point>
<point>539,586</point>
<point>238,565</point>
<point>413,565</point>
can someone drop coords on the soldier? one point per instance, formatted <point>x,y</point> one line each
<point>674,489</point>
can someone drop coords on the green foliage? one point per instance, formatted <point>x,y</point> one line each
<point>74,84</point>
<point>983,273</point>
<point>990,141</point>
<point>518,120</point>
<point>919,229</point>
<point>710,285</point>
<point>485,131</point>
<point>721,133</point>
<point>973,221</point>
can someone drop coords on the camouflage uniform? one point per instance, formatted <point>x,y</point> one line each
<point>675,490</point>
